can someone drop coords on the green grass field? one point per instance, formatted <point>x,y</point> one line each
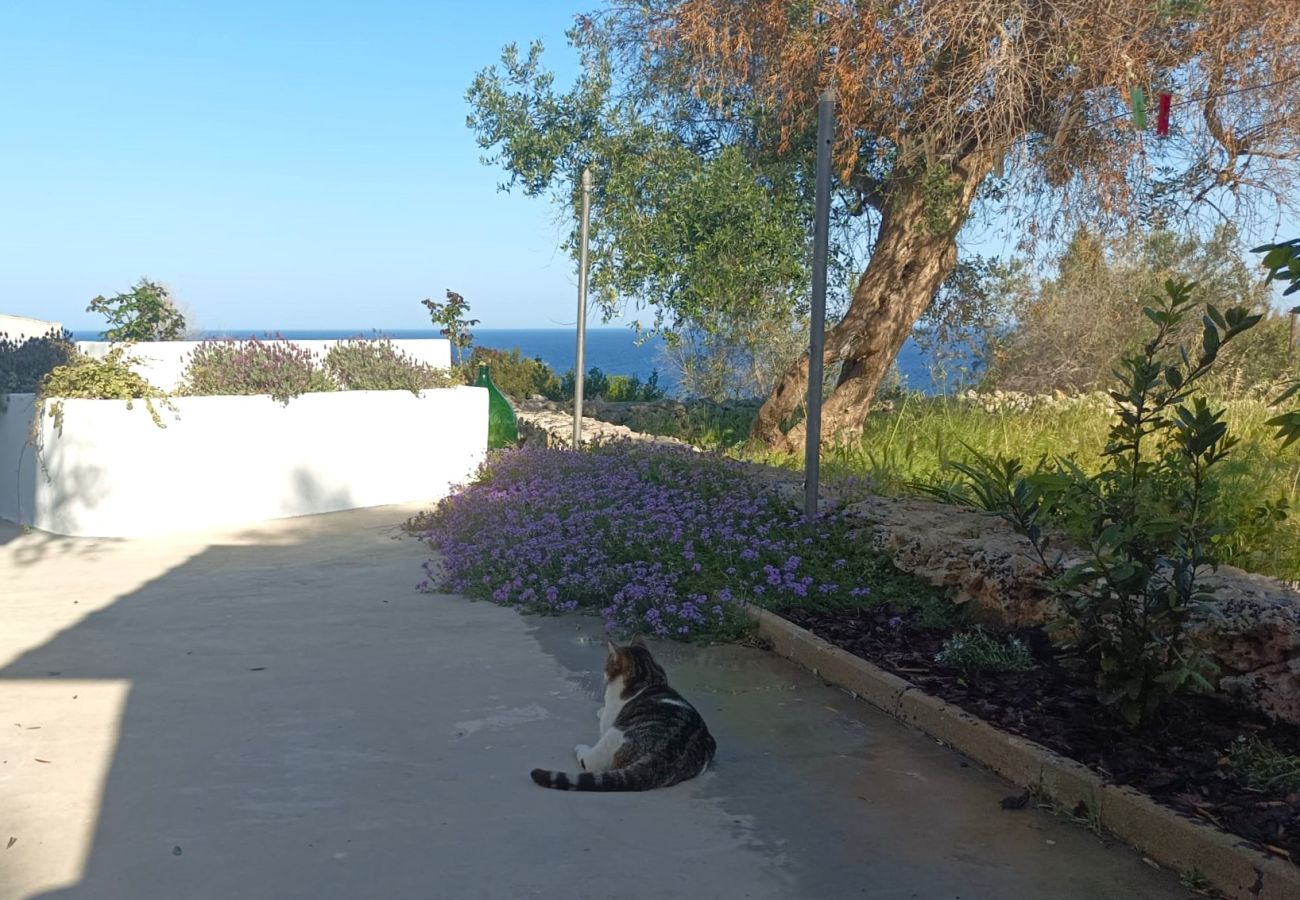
<point>915,441</point>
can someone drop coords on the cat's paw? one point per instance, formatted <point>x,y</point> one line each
<point>581,752</point>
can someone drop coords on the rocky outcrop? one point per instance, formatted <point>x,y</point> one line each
<point>1252,631</point>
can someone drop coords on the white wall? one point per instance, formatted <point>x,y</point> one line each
<point>236,460</point>
<point>162,362</point>
<point>21,327</point>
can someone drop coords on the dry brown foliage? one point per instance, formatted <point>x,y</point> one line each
<point>1044,84</point>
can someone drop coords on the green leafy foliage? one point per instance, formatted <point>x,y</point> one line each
<point>377,365</point>
<point>614,388</point>
<point>702,228</point>
<point>523,378</point>
<point>1259,764</point>
<point>94,378</point>
<point>516,375</point>
<point>275,367</point>
<point>145,313</point>
<point>978,651</point>
<point>1283,264</point>
<point>1146,520</point>
<point>450,316</point>
<point>23,363</point>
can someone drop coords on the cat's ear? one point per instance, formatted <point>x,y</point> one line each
<point>611,649</point>
<point>638,641</point>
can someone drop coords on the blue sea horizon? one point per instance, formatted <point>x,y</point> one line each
<point>615,351</point>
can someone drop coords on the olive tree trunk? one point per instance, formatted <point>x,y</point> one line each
<point>915,251</point>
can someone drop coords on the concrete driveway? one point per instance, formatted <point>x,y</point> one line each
<point>275,713</point>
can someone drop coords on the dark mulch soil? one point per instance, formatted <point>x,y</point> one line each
<point>1179,760</point>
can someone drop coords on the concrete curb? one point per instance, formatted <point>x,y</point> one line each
<point>1179,843</point>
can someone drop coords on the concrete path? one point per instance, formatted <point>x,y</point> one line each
<point>275,713</point>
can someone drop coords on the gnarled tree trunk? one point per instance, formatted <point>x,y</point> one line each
<point>912,258</point>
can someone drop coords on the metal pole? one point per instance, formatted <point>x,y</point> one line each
<point>817,329</point>
<point>1290,344</point>
<point>582,310</point>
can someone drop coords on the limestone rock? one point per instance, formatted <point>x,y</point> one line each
<point>1252,631</point>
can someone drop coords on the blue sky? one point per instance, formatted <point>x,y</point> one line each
<point>278,165</point>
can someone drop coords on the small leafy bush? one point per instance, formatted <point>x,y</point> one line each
<point>23,363</point>
<point>655,539</point>
<point>977,650</point>
<point>614,388</point>
<point>275,367</point>
<point>452,319</point>
<point>376,365</point>
<point>1147,520</point>
<point>1259,764</point>
<point>514,374</point>
<point>145,313</point>
<point>89,378</point>
<point>630,387</point>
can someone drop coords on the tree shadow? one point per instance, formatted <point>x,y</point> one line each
<point>278,714</point>
<point>204,702</point>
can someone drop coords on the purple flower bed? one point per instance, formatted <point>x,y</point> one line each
<point>655,539</point>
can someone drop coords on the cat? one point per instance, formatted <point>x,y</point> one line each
<point>650,737</point>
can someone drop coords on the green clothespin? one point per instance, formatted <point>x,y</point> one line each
<point>1139,100</point>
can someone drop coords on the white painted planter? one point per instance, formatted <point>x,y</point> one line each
<point>162,363</point>
<point>235,460</point>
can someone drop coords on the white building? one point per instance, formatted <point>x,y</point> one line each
<point>19,328</point>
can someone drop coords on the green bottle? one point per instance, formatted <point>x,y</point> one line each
<point>503,427</point>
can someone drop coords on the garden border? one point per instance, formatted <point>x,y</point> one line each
<point>1168,838</point>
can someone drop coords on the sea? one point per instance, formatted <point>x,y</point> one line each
<point>615,351</point>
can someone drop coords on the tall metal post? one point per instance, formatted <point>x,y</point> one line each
<point>817,329</point>
<point>578,367</point>
<point>1290,344</point>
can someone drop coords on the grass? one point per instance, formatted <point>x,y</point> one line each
<point>1260,764</point>
<point>978,651</point>
<point>913,444</point>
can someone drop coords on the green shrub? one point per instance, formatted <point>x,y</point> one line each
<point>89,378</point>
<point>276,367</point>
<point>23,363</point>
<point>376,365</point>
<point>514,374</point>
<point>630,387</point>
<point>614,388</point>
<point>146,313</point>
<point>979,651</point>
<point>1146,521</point>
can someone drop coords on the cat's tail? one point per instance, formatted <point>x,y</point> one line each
<point>632,778</point>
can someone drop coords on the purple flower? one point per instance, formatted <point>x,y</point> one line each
<point>651,537</point>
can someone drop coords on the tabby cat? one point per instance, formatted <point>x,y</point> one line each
<point>650,737</point>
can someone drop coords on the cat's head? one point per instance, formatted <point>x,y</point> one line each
<point>634,664</point>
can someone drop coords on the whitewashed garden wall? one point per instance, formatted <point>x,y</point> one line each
<point>223,461</point>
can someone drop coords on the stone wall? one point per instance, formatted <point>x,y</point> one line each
<point>543,423</point>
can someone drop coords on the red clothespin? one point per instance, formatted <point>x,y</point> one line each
<point>1162,114</point>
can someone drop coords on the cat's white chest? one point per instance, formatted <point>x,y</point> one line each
<point>614,703</point>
